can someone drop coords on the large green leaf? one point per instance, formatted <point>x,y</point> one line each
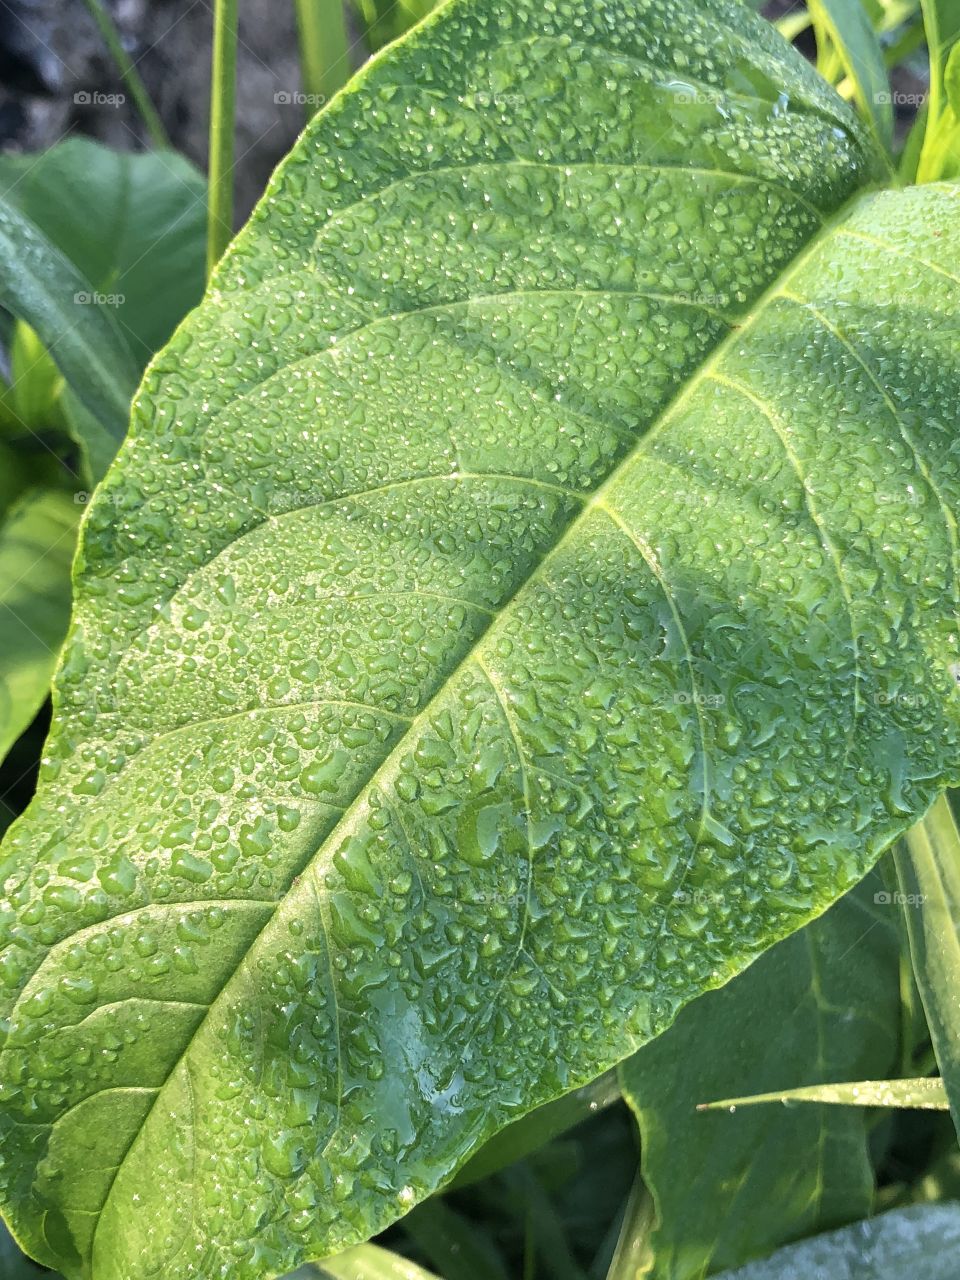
<point>134,225</point>
<point>37,541</point>
<point>519,535</point>
<point>820,1007</point>
<point>920,1242</point>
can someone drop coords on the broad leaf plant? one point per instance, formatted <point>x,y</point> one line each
<point>528,591</point>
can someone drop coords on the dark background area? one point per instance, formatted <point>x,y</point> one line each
<point>51,51</point>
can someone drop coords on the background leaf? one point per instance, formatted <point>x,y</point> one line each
<point>453,1244</point>
<point>37,540</point>
<point>928,868</point>
<point>923,1094</point>
<point>845,24</point>
<point>14,1266</point>
<point>40,286</point>
<point>534,1130</point>
<point>133,225</point>
<point>940,153</point>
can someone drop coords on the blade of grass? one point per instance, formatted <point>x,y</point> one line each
<point>324,52</point>
<point>129,74</point>
<point>928,869</point>
<point>844,27</point>
<point>223,95</point>
<point>923,1095</point>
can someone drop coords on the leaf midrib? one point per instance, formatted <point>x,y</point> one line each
<point>591,504</point>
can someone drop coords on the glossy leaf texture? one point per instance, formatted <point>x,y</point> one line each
<point>518,535</point>
<point>821,1006</point>
<point>920,1242</point>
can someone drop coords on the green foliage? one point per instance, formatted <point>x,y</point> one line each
<point>929,873</point>
<point>940,152</point>
<point>103,254</point>
<point>386,20</point>
<point>37,538</point>
<point>324,49</point>
<point>820,1007</point>
<point>133,225</point>
<point>528,592</point>
<point>368,895</point>
<point>844,31</point>
<point>223,92</point>
<point>40,286</point>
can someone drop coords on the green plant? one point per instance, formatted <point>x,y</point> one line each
<point>222,125</point>
<point>87,312</point>
<point>526,598</point>
<point>325,55</point>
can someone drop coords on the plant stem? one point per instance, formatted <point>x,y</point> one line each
<point>223,95</point>
<point>928,869</point>
<point>129,74</point>
<point>324,53</point>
